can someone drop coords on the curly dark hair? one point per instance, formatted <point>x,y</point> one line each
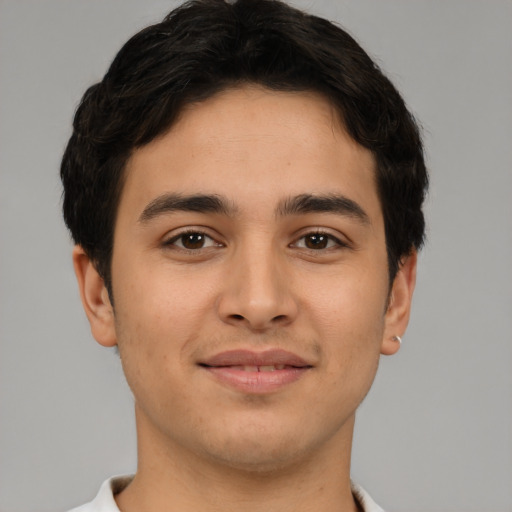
<point>206,46</point>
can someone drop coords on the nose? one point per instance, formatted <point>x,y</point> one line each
<point>257,292</point>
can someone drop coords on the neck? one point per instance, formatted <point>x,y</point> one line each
<point>172,478</point>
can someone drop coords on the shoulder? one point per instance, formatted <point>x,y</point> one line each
<point>104,500</point>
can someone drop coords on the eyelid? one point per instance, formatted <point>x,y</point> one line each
<point>340,241</point>
<point>169,240</point>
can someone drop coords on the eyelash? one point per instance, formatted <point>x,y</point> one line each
<point>334,241</point>
<point>319,233</point>
<point>171,242</point>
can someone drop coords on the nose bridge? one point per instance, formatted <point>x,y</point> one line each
<point>256,291</point>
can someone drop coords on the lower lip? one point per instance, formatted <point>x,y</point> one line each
<point>256,382</point>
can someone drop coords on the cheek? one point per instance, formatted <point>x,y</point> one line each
<point>157,296</point>
<point>159,315</point>
<point>150,346</point>
<point>349,304</point>
<point>349,317</point>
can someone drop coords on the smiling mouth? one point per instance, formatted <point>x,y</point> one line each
<point>265,368</point>
<point>256,373</point>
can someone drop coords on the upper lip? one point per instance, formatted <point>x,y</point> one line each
<point>250,358</point>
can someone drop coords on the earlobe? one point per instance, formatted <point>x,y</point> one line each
<point>399,308</point>
<point>95,299</point>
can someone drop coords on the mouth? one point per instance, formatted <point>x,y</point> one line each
<point>256,372</point>
<point>263,368</point>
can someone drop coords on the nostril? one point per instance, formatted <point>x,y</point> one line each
<point>237,317</point>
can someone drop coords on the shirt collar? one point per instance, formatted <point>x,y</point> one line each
<point>105,502</point>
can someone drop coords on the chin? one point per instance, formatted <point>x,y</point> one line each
<point>262,449</point>
<point>254,458</point>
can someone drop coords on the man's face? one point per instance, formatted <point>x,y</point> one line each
<point>250,280</point>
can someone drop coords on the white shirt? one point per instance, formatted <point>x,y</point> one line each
<point>104,501</point>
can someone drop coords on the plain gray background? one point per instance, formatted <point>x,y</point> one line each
<point>435,433</point>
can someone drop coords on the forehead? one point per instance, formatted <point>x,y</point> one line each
<point>251,143</point>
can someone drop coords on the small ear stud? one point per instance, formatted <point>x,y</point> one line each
<point>397,338</point>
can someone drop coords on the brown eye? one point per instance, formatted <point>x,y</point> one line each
<point>316,241</point>
<point>192,241</point>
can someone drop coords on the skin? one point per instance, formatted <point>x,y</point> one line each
<point>256,283</point>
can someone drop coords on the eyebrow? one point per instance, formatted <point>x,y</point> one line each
<point>332,203</point>
<point>201,203</point>
<point>296,205</point>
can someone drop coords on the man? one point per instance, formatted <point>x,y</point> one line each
<point>244,188</point>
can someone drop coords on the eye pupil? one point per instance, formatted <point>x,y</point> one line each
<point>193,240</point>
<point>316,241</point>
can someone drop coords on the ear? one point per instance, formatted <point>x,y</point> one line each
<point>95,299</point>
<point>399,308</point>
